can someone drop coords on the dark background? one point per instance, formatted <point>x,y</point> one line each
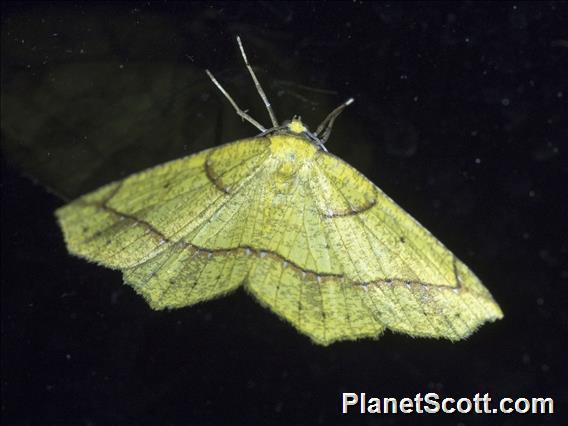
<point>458,117</point>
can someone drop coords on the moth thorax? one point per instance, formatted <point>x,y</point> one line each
<point>291,152</point>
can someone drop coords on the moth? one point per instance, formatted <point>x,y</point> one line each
<point>301,230</point>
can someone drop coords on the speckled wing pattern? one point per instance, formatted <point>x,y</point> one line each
<point>305,233</point>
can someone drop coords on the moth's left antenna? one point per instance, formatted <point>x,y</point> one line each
<point>239,111</point>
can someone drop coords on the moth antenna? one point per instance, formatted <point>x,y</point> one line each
<point>324,129</point>
<point>239,111</point>
<point>258,86</point>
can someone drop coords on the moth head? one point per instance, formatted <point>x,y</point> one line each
<point>296,126</point>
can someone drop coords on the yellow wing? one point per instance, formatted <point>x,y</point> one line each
<point>138,225</point>
<point>312,238</point>
<point>406,277</point>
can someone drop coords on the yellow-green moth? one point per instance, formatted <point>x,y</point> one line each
<point>301,230</point>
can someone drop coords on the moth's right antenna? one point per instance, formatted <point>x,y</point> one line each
<point>258,86</point>
<point>324,129</point>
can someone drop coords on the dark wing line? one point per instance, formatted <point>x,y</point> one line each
<point>230,196</point>
<point>152,228</point>
<point>334,223</point>
<point>217,179</point>
<point>198,187</point>
<point>179,176</point>
<point>393,218</point>
<point>261,252</point>
<point>352,212</point>
<point>370,230</point>
<point>417,251</point>
<point>214,180</point>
